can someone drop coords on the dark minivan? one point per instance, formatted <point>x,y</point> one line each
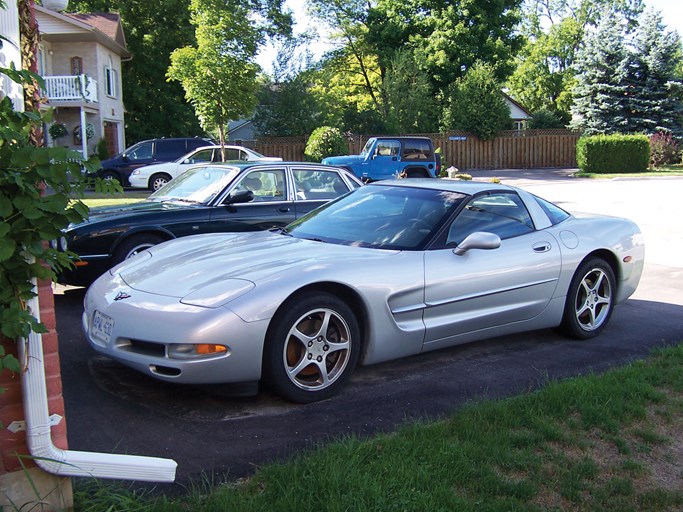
<point>148,152</point>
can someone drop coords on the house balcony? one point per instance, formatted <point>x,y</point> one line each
<point>70,88</point>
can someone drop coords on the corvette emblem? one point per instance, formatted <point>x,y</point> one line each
<point>121,296</point>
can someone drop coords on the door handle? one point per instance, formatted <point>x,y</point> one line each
<point>541,247</point>
<point>283,209</point>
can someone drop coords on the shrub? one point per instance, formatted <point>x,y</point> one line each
<point>102,149</point>
<point>613,153</point>
<point>664,149</point>
<point>325,141</point>
<point>543,119</point>
<point>57,131</point>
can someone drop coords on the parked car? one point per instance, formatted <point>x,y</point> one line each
<point>156,176</point>
<point>392,269</point>
<point>387,157</point>
<point>205,199</point>
<point>147,152</point>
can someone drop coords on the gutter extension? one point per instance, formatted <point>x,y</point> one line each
<point>69,462</point>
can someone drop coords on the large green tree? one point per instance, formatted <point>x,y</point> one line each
<point>544,73</point>
<point>219,74</point>
<point>154,106</point>
<point>476,104</point>
<point>655,86</point>
<point>600,94</point>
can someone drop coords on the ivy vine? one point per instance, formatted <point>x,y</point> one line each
<point>40,194</point>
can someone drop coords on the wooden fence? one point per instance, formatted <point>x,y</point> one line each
<point>511,150</point>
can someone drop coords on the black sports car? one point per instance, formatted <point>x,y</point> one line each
<point>206,199</point>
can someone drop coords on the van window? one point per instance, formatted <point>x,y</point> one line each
<point>170,149</point>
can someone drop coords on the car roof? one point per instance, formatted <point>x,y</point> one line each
<point>464,187</point>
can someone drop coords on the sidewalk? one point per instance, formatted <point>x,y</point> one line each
<point>521,177</point>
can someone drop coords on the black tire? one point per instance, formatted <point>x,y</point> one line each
<point>109,176</point>
<point>590,300</point>
<point>301,362</point>
<point>158,180</point>
<point>133,245</point>
<point>417,172</point>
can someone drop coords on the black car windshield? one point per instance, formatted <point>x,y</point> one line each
<point>379,216</point>
<point>198,185</point>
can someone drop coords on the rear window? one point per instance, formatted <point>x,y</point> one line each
<point>417,150</point>
<point>170,149</point>
<point>554,212</point>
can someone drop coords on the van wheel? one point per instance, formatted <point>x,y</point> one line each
<point>110,176</point>
<point>158,180</point>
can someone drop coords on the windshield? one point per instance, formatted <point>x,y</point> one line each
<point>198,185</point>
<point>379,216</point>
<point>366,148</point>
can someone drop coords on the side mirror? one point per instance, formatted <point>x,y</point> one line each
<point>125,158</point>
<point>243,196</point>
<point>478,240</point>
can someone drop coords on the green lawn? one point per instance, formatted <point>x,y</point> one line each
<point>666,170</point>
<point>599,443</point>
<point>94,199</point>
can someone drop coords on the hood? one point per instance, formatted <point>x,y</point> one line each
<point>102,213</point>
<point>186,265</point>
<point>343,160</point>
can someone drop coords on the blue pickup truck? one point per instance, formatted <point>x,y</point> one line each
<point>388,157</point>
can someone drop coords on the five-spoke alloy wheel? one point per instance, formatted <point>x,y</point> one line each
<point>590,299</point>
<point>312,348</point>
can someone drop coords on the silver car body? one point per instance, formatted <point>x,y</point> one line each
<point>226,288</point>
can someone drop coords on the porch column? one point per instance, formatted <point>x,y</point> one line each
<point>84,135</point>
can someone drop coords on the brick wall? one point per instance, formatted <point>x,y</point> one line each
<point>11,408</point>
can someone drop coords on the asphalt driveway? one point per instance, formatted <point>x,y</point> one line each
<point>113,409</point>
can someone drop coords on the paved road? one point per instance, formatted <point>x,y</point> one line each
<point>113,409</point>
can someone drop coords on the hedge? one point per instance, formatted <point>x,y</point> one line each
<point>613,153</point>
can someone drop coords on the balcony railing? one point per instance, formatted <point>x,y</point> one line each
<point>71,88</point>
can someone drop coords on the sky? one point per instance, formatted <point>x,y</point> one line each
<point>672,14</point>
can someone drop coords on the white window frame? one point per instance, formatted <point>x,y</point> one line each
<point>111,80</point>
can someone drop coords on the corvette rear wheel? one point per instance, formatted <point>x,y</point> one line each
<point>312,348</point>
<point>590,300</point>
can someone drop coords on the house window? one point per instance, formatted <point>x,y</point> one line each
<point>111,80</point>
<point>42,66</point>
<point>76,66</point>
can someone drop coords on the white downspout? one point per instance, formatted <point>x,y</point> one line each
<point>84,134</point>
<point>67,462</point>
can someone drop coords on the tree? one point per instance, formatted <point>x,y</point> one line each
<point>654,90</point>
<point>544,75</point>
<point>476,104</point>
<point>600,101</point>
<point>219,74</point>
<point>155,107</point>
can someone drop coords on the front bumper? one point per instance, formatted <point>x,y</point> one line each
<point>145,326</point>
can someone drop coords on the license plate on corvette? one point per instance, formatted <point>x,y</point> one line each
<point>102,326</point>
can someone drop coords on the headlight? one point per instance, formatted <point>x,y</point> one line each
<point>135,172</point>
<point>218,294</point>
<point>63,245</point>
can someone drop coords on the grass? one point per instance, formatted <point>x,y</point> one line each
<point>609,442</point>
<point>93,199</point>
<point>665,170</point>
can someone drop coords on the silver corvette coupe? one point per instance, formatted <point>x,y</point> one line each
<point>391,269</point>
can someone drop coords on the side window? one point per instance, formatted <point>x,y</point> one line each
<point>267,185</point>
<point>203,155</point>
<point>314,184</point>
<point>501,213</point>
<point>142,151</point>
<point>387,148</point>
<point>196,143</point>
<point>416,150</point>
<point>169,149</point>
<point>232,154</point>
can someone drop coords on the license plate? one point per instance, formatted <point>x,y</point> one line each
<point>102,326</point>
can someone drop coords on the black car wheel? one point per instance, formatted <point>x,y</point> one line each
<point>133,245</point>
<point>158,180</point>
<point>311,348</point>
<point>590,300</point>
<point>110,176</point>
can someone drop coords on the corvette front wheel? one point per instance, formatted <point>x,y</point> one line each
<point>312,348</point>
<point>590,300</point>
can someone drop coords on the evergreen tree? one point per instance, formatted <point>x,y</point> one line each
<point>655,103</point>
<point>600,95</point>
